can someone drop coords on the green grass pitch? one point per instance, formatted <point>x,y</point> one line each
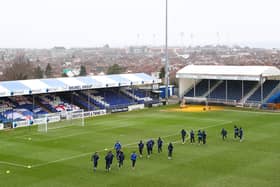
<point>61,157</point>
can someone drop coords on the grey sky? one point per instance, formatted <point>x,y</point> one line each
<point>83,23</point>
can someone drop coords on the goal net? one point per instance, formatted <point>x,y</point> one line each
<point>60,120</point>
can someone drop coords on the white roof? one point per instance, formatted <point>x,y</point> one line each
<point>71,82</point>
<point>37,86</point>
<point>228,72</point>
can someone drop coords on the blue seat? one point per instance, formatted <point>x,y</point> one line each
<point>268,86</point>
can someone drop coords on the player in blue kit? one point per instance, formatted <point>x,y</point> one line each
<point>170,150</point>
<point>224,133</point>
<point>204,136</point>
<point>133,158</point>
<point>192,137</point>
<point>121,159</point>
<point>141,147</point>
<point>199,136</point>
<point>183,135</point>
<point>117,147</point>
<point>159,144</point>
<point>240,134</point>
<point>94,159</point>
<point>236,132</point>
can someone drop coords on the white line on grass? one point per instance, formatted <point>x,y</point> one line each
<point>206,119</point>
<point>254,112</point>
<point>12,164</point>
<point>55,138</point>
<point>22,137</point>
<point>74,134</point>
<point>126,145</point>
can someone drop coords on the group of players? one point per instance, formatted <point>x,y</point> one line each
<point>201,136</point>
<point>150,144</point>
<point>238,133</point>
<point>133,157</point>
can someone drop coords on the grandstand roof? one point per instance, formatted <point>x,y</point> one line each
<point>253,73</point>
<point>38,86</point>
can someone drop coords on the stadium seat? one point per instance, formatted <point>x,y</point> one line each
<point>268,86</point>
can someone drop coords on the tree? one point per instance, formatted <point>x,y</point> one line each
<point>20,69</point>
<point>83,71</point>
<point>38,73</point>
<point>48,71</point>
<point>174,81</point>
<point>115,69</point>
<point>162,73</point>
<point>106,46</point>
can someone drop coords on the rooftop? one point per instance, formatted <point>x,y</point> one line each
<point>228,72</point>
<point>39,86</point>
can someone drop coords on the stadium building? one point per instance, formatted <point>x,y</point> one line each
<point>251,86</point>
<point>28,100</point>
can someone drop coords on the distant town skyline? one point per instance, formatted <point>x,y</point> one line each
<point>93,23</point>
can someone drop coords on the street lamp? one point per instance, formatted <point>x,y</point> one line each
<point>166,52</point>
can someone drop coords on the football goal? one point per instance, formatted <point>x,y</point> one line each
<point>194,100</point>
<point>60,120</point>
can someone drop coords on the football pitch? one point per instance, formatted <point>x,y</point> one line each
<point>61,157</point>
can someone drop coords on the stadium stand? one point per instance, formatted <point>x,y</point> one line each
<point>199,89</point>
<point>19,107</point>
<point>78,101</point>
<point>268,86</point>
<point>219,91</point>
<point>237,85</point>
<point>55,103</point>
<point>114,98</point>
<point>190,93</point>
<point>234,90</point>
<point>137,94</point>
<point>28,99</point>
<point>249,86</point>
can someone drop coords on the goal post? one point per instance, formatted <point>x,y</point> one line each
<point>42,124</point>
<point>196,100</point>
<point>61,120</point>
<point>77,117</point>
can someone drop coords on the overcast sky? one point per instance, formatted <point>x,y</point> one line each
<point>84,23</point>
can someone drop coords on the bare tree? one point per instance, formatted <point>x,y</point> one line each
<point>48,71</point>
<point>38,73</point>
<point>20,69</point>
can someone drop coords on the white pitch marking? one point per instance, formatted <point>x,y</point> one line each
<point>254,112</point>
<point>12,164</point>
<point>61,137</point>
<point>103,129</point>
